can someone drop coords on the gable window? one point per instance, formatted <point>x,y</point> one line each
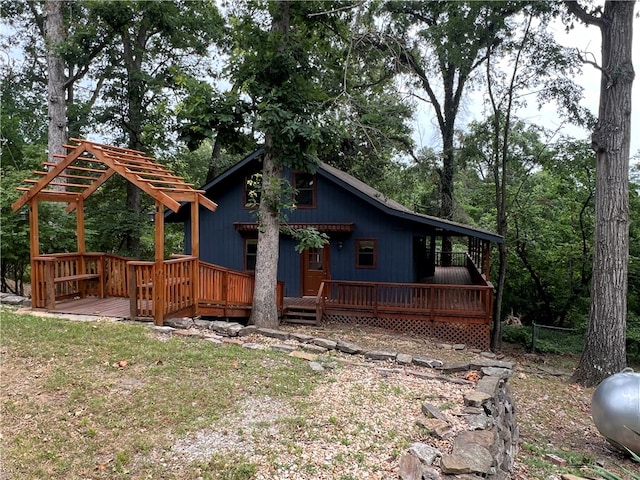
<point>250,254</point>
<point>366,253</point>
<point>251,195</point>
<point>305,185</point>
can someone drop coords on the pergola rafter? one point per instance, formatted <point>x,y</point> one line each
<point>86,167</point>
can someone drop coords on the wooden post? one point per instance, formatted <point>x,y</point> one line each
<point>159,280</point>
<point>195,252</point>
<point>487,261</point>
<point>133,291</point>
<point>34,244</point>
<point>80,227</point>
<point>50,286</point>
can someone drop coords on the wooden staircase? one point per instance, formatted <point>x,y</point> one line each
<point>301,311</point>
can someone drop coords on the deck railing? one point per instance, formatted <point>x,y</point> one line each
<point>428,301</point>
<point>222,289</point>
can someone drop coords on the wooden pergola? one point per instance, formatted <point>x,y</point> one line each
<point>78,174</point>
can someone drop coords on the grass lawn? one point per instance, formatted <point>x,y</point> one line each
<point>118,400</point>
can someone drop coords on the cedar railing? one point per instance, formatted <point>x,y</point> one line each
<point>188,285</point>
<point>225,292</point>
<point>430,302</point>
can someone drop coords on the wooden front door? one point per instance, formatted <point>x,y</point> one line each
<point>315,269</point>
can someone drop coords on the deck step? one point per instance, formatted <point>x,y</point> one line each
<point>300,313</point>
<point>300,321</point>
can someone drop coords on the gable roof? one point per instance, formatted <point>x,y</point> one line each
<point>371,196</point>
<point>88,165</point>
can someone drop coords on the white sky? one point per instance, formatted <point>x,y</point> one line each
<point>586,39</point>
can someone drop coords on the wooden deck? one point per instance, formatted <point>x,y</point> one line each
<point>103,307</point>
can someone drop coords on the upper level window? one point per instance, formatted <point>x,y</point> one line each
<point>366,253</point>
<point>305,185</point>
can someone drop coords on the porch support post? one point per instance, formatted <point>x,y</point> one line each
<point>80,232</point>
<point>34,251</point>
<point>487,260</point>
<point>159,280</point>
<point>195,252</point>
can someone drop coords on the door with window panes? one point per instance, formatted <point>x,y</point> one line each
<point>315,269</point>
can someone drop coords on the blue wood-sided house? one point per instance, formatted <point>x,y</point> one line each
<point>375,243</point>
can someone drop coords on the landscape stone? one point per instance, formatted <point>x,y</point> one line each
<point>477,364</point>
<point>304,355</point>
<point>425,375</point>
<point>488,354</point>
<point>497,372</point>
<point>430,473</point>
<point>324,343</point>
<point>213,340</point>
<point>459,346</point>
<point>470,455</point>
<point>253,346</point>
<point>489,385</point>
<point>234,329</point>
<point>484,438</point>
<point>427,362</point>
<point>283,347</point>
<point>410,468</point>
<point>476,399</point>
<point>437,428</point>
<point>219,326</point>
<point>380,355</point>
<point>404,359</point>
<point>206,324</point>
<point>426,453</point>
<point>182,323</point>
<point>248,330</point>
<point>316,367</point>
<point>272,333</point>
<point>348,347</point>
<point>300,337</point>
<point>191,332</point>
<point>309,347</point>
<point>10,299</point>
<point>452,367</point>
<point>479,422</point>
<point>432,411</point>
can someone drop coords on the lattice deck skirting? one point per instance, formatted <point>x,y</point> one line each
<point>471,334</point>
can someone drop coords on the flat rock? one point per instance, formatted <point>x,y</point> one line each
<point>477,364</point>
<point>300,337</point>
<point>497,372</point>
<point>437,428</point>
<point>404,359</point>
<point>476,399</point>
<point>459,346</point>
<point>431,411</point>
<point>283,347</point>
<point>191,332</point>
<point>347,347</point>
<point>379,355</point>
<point>304,355</point>
<point>425,453</point>
<point>272,333</point>
<point>452,367</point>
<point>468,458</point>
<point>410,468</point>
<point>310,347</point>
<point>253,346</point>
<point>10,299</point>
<point>316,367</point>
<point>324,343</point>
<point>479,422</point>
<point>213,340</point>
<point>489,385</point>
<point>179,322</point>
<point>206,324</point>
<point>485,438</point>
<point>427,362</point>
<point>248,330</point>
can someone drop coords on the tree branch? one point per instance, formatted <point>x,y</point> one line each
<point>583,15</point>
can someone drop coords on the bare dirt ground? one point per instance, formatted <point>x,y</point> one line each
<point>553,414</point>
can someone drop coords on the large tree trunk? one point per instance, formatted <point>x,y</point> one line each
<point>265,310</point>
<point>57,112</point>
<point>604,352</point>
